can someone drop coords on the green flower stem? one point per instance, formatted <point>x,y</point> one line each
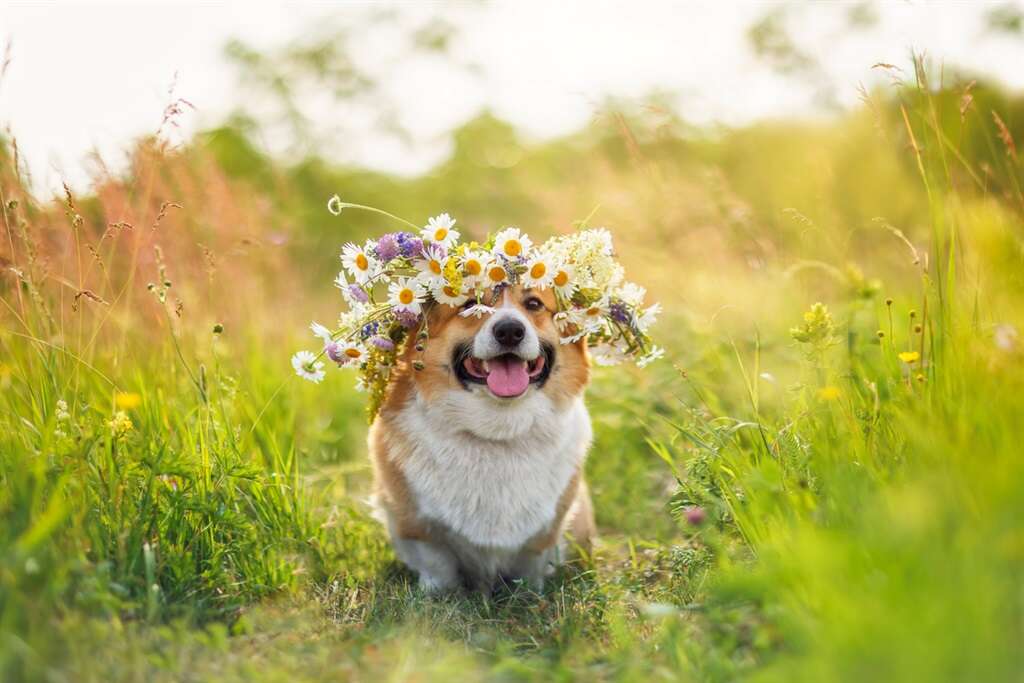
<point>346,205</point>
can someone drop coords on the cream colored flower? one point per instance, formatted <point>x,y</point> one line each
<point>358,262</point>
<point>540,271</point>
<point>406,294</point>
<point>440,230</point>
<point>431,266</point>
<point>511,243</point>
<point>444,293</point>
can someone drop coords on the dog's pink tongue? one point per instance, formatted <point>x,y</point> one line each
<point>508,376</point>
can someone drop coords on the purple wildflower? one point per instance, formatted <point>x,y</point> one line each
<point>620,313</point>
<point>334,353</point>
<point>383,343</point>
<point>369,329</point>
<point>358,294</point>
<point>408,244</point>
<point>387,247</point>
<point>407,319</point>
<point>696,515</point>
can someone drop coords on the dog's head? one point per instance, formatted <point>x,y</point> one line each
<point>502,365</point>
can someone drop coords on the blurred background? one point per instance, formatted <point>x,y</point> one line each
<point>384,85</point>
<point>799,492</point>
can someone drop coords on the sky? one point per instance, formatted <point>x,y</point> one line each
<point>87,76</point>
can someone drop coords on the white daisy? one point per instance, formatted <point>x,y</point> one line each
<point>406,294</point>
<point>495,273</point>
<point>355,296</point>
<point>358,262</point>
<point>440,230</point>
<point>563,279</point>
<point>577,323</point>
<point>473,265</point>
<point>308,367</point>
<point>539,271</point>
<point>446,294</point>
<point>654,354</point>
<point>631,294</point>
<point>321,332</point>
<point>346,352</point>
<point>511,243</point>
<point>477,311</point>
<point>431,266</point>
<point>606,354</point>
<point>648,317</point>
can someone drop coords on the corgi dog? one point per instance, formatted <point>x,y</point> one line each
<point>479,446</point>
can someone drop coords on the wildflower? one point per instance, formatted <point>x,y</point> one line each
<point>695,515</point>
<point>909,357</point>
<point>321,332</point>
<point>120,424</point>
<point>406,294</point>
<point>127,400</point>
<point>496,273</point>
<point>473,264</point>
<point>308,367</point>
<point>564,280</point>
<point>432,266</point>
<point>606,354</point>
<point>387,248</point>
<point>817,331</point>
<point>444,293</point>
<point>619,312</point>
<point>577,323</point>
<point>354,294</point>
<point>453,274</point>
<point>62,413</point>
<point>477,311</point>
<point>511,243</point>
<point>440,230</point>
<point>829,393</point>
<point>409,245</point>
<point>333,351</point>
<point>345,352</point>
<point>598,308</point>
<point>539,271</point>
<point>407,319</point>
<point>361,265</point>
<point>631,294</point>
<point>383,343</point>
<point>654,354</point>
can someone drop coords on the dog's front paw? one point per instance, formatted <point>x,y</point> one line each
<point>433,584</point>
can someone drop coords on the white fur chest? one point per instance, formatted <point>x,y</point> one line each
<point>492,473</point>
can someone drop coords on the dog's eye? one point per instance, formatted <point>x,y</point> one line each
<point>469,304</point>
<point>533,304</point>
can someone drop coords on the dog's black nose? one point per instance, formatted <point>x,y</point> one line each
<point>509,332</point>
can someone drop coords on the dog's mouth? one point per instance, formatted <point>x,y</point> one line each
<point>507,375</point>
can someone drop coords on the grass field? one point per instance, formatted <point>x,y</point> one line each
<point>797,492</point>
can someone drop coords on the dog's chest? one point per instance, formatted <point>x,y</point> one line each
<point>497,493</point>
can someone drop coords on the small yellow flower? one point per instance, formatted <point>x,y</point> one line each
<point>829,393</point>
<point>910,357</point>
<point>453,275</point>
<point>120,424</point>
<point>127,400</point>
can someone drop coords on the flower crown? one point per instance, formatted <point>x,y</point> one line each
<point>390,282</point>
